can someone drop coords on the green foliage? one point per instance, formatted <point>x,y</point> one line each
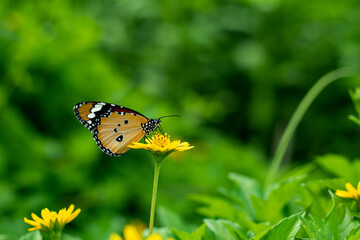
<point>234,70</point>
<point>341,167</point>
<point>32,236</point>
<point>338,224</point>
<point>197,235</point>
<point>287,228</point>
<point>355,97</point>
<point>171,219</point>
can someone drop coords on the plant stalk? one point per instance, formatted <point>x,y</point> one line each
<point>55,235</point>
<point>154,192</point>
<point>298,115</point>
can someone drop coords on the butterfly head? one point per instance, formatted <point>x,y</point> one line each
<point>150,125</point>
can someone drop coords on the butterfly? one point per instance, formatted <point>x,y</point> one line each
<point>114,127</point>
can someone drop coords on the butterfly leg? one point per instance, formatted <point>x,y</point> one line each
<point>159,128</point>
<point>146,138</point>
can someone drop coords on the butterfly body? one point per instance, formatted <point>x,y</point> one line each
<point>114,127</point>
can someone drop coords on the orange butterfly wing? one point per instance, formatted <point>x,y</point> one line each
<point>117,138</point>
<point>114,127</point>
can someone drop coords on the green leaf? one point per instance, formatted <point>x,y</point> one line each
<point>236,230</point>
<point>313,229</point>
<point>247,184</point>
<point>313,200</point>
<point>246,188</point>
<point>220,230</point>
<point>35,235</point>
<point>287,228</point>
<point>197,235</point>
<point>335,164</point>
<point>338,224</point>
<point>279,194</point>
<point>302,170</point>
<point>355,97</point>
<point>354,234</point>
<point>66,236</point>
<point>171,219</point>
<point>354,119</point>
<point>215,207</point>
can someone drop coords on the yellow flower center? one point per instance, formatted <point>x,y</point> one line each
<point>161,140</point>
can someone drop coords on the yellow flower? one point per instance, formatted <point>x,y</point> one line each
<point>161,144</point>
<point>52,221</point>
<point>350,193</point>
<point>115,236</point>
<point>134,232</point>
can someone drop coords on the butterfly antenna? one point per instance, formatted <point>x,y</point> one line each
<point>170,116</point>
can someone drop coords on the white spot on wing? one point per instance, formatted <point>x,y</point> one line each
<point>96,108</point>
<point>91,115</point>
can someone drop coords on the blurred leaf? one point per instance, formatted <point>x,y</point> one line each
<point>340,166</point>
<point>336,164</point>
<point>287,228</point>
<point>355,97</point>
<point>354,119</point>
<point>197,235</point>
<point>246,189</point>
<point>4,237</point>
<point>299,171</point>
<point>65,236</point>
<point>313,200</point>
<point>35,235</point>
<point>278,195</point>
<point>354,234</point>
<point>165,232</point>
<point>236,230</point>
<point>215,207</point>
<point>171,219</point>
<point>220,229</point>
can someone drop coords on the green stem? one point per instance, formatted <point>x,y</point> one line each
<point>298,115</point>
<point>154,192</point>
<point>55,235</point>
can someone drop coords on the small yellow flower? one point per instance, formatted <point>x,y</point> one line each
<point>350,193</point>
<point>51,219</point>
<point>161,144</point>
<point>115,236</point>
<point>134,232</point>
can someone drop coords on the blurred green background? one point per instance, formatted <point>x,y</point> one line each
<point>234,70</point>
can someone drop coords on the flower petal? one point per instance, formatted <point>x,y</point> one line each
<point>115,236</point>
<point>351,190</point>
<point>343,194</point>
<point>138,145</point>
<point>154,236</point>
<point>34,228</point>
<point>73,215</point>
<point>37,219</point>
<point>52,219</point>
<point>160,144</point>
<point>131,233</point>
<point>31,222</point>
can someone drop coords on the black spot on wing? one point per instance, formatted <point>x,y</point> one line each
<point>119,138</point>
